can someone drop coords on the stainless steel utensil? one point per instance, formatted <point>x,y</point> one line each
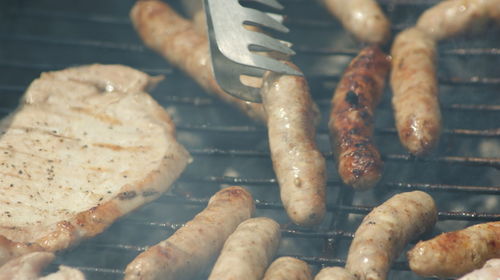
<point>234,48</point>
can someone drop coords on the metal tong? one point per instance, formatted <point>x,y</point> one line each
<point>236,51</point>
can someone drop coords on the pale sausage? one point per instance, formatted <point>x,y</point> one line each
<point>385,231</point>
<point>194,246</point>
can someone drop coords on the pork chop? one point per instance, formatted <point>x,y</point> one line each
<point>86,146</point>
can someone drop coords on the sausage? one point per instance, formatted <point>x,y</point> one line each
<point>363,18</point>
<point>179,42</point>
<point>194,246</point>
<point>288,268</point>
<point>384,232</point>
<point>298,164</point>
<point>456,253</point>
<point>453,17</point>
<point>490,271</point>
<point>352,117</point>
<point>415,91</point>
<point>248,250</point>
<point>334,273</point>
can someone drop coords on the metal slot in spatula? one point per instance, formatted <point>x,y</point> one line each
<point>234,48</point>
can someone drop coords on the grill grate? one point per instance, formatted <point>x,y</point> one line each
<point>462,175</point>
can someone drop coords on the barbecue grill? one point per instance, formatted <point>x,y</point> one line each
<point>228,149</point>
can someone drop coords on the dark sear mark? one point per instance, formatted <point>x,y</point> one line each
<point>352,98</point>
<point>149,193</point>
<point>127,195</point>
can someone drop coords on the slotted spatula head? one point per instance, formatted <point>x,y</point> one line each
<point>234,48</point>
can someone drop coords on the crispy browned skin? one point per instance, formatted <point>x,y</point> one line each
<point>415,91</point>
<point>178,41</point>
<point>456,253</point>
<point>385,231</point>
<point>298,164</point>
<point>194,246</point>
<point>351,118</point>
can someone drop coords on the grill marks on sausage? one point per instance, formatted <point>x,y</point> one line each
<point>456,253</point>
<point>351,118</point>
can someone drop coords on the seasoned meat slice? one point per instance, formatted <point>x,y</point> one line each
<point>86,146</point>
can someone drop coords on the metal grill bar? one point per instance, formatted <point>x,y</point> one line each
<point>352,209</point>
<point>488,190</point>
<point>353,52</point>
<point>33,39</point>
<point>320,131</point>
<point>474,161</point>
<point>300,49</point>
<point>104,19</point>
<point>52,66</point>
<point>173,227</point>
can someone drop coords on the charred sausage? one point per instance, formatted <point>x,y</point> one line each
<point>415,91</point>
<point>194,246</point>
<point>248,250</point>
<point>456,253</point>
<point>384,232</point>
<point>288,268</point>
<point>351,118</point>
<point>363,18</point>
<point>178,41</point>
<point>452,17</point>
<point>334,273</point>
<point>298,164</point>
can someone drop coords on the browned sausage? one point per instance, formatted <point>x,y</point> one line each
<point>177,39</point>
<point>415,91</point>
<point>456,253</point>
<point>194,246</point>
<point>351,118</point>
<point>298,164</point>
<point>385,231</point>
